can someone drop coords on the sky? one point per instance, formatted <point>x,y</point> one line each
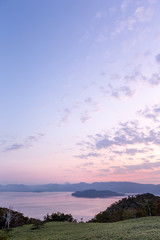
<point>79,91</point>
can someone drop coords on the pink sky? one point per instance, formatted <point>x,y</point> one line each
<point>80,91</point>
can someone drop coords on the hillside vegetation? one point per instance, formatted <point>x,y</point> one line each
<point>134,229</point>
<point>143,205</point>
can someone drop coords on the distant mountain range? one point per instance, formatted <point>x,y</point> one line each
<point>122,187</point>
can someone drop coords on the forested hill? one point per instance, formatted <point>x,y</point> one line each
<point>123,187</point>
<point>143,205</point>
<point>91,193</point>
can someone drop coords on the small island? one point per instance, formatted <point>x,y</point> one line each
<point>92,193</point>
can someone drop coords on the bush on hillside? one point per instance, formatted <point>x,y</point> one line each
<point>59,217</point>
<point>37,224</point>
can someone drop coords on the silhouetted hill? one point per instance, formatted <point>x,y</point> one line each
<point>124,187</point>
<point>96,194</point>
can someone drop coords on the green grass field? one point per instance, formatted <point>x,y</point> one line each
<point>135,229</point>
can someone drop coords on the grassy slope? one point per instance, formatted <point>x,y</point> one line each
<point>135,229</point>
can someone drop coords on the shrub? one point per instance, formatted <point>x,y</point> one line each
<point>3,236</point>
<point>59,217</point>
<point>37,224</point>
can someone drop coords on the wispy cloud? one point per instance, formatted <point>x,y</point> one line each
<point>14,147</point>
<point>26,143</point>
<point>133,168</point>
<point>119,93</point>
<point>128,135</point>
<point>89,155</point>
<point>88,164</point>
<point>85,116</point>
<point>140,15</point>
<point>91,102</point>
<point>121,140</point>
<point>131,151</point>
<point>143,14</point>
<point>129,148</point>
<point>107,170</point>
<point>152,113</point>
<point>137,76</point>
<point>124,91</point>
<point>92,107</point>
<point>66,114</point>
<point>158,58</point>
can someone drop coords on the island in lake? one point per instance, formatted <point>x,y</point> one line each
<point>91,193</point>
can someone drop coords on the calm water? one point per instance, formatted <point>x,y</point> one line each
<point>39,204</point>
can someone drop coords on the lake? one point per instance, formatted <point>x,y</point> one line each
<point>39,204</point>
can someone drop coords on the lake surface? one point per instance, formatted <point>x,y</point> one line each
<point>39,204</point>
